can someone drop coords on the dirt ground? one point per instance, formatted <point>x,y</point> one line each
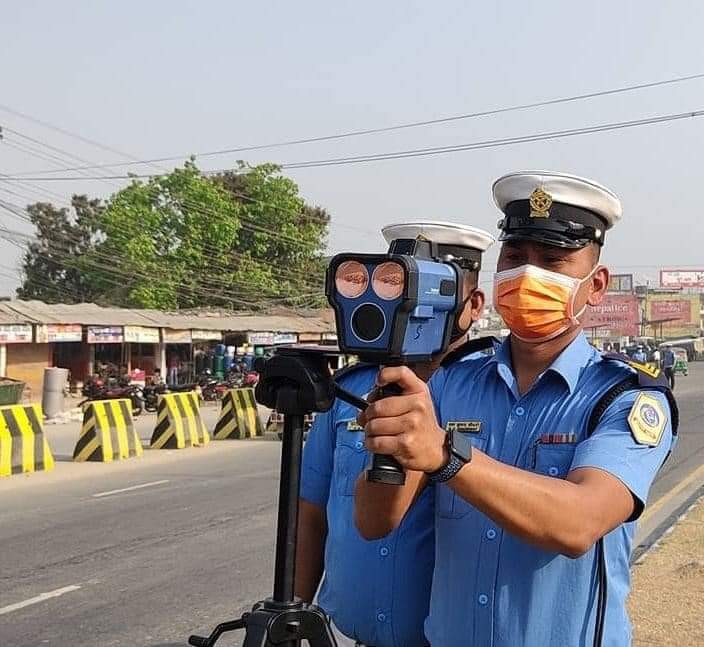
<point>667,594</point>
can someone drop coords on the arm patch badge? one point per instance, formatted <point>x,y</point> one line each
<point>647,420</point>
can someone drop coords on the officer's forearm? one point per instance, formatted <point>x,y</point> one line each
<point>564,516</point>
<point>310,549</point>
<point>379,508</point>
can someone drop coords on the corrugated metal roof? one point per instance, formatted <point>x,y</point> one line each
<point>90,314</point>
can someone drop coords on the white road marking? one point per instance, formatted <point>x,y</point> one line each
<point>39,598</point>
<point>129,489</point>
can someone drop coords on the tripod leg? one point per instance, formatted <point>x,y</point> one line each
<point>257,632</point>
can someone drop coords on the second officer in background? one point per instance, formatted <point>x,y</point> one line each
<point>377,592</point>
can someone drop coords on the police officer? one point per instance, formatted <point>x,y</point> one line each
<point>542,455</point>
<point>376,592</point>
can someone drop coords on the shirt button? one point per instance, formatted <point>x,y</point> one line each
<point>383,551</point>
<point>381,617</point>
<point>359,444</point>
<point>520,411</point>
<point>553,471</point>
<point>491,533</point>
<point>483,600</point>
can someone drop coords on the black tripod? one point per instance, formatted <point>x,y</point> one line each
<point>295,382</point>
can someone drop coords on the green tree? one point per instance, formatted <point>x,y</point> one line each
<point>51,265</point>
<point>241,240</point>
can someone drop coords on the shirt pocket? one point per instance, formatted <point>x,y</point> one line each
<point>449,504</point>
<point>350,457</point>
<point>553,459</point>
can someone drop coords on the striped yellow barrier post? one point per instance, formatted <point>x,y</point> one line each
<point>107,432</point>
<point>178,422</point>
<point>239,417</point>
<point>23,446</point>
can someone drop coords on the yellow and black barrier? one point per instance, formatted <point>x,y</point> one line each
<point>23,446</point>
<point>178,422</point>
<point>107,432</point>
<point>238,416</point>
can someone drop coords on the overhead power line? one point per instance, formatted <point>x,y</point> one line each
<point>373,131</point>
<point>419,152</point>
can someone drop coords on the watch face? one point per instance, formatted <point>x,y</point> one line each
<point>461,445</point>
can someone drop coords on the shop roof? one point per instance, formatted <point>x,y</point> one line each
<point>91,314</point>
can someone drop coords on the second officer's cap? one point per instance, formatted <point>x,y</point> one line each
<point>445,241</point>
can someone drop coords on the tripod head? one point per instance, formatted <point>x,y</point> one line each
<point>297,380</point>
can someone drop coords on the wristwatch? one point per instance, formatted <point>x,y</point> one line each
<point>459,446</point>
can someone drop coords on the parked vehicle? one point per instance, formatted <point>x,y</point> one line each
<point>151,394</point>
<point>96,389</point>
<point>275,423</point>
<point>681,363</point>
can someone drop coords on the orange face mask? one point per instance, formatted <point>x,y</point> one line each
<point>537,305</point>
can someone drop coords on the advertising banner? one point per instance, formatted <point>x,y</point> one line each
<point>285,338</point>
<point>682,278</point>
<point>15,333</point>
<point>260,338</point>
<point>206,335</point>
<point>141,335</point>
<point>104,335</point>
<point>52,333</point>
<point>172,336</point>
<point>678,314</point>
<point>616,316</point>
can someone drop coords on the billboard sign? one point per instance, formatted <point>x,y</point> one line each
<point>174,336</point>
<point>260,338</point>
<point>621,283</point>
<point>616,316</point>
<point>678,313</point>
<point>682,278</point>
<point>51,333</point>
<point>206,335</point>
<point>15,333</point>
<point>141,335</point>
<point>104,334</point>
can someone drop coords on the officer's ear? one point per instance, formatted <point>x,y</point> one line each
<point>472,311</point>
<point>599,285</point>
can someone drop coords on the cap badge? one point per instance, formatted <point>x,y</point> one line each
<point>540,203</point>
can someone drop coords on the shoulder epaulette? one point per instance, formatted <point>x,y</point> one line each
<point>645,377</point>
<point>472,346</point>
<point>648,376</point>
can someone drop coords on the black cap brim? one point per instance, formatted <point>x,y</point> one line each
<point>545,237</point>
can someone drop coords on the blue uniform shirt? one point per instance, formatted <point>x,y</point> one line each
<point>491,588</point>
<point>375,591</point>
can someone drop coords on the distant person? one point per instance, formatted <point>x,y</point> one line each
<point>157,379</point>
<point>656,357</point>
<point>640,356</point>
<point>172,375</point>
<point>668,365</point>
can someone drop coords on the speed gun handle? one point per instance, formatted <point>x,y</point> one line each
<point>386,469</point>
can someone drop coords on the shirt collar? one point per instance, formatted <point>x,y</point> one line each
<point>568,365</point>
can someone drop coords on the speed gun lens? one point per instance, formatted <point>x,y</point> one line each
<point>388,280</point>
<point>351,279</point>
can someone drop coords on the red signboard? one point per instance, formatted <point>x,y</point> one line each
<point>616,316</point>
<point>677,310</point>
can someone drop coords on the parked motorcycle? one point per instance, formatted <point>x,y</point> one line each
<point>151,393</point>
<point>96,389</point>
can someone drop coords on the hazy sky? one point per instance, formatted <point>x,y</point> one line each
<point>167,78</point>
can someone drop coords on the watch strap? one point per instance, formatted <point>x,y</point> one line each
<point>446,472</point>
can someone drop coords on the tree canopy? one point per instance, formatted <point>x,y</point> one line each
<point>244,239</point>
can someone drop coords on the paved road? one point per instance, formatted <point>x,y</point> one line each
<point>192,544</point>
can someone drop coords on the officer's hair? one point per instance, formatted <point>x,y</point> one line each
<point>596,252</point>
